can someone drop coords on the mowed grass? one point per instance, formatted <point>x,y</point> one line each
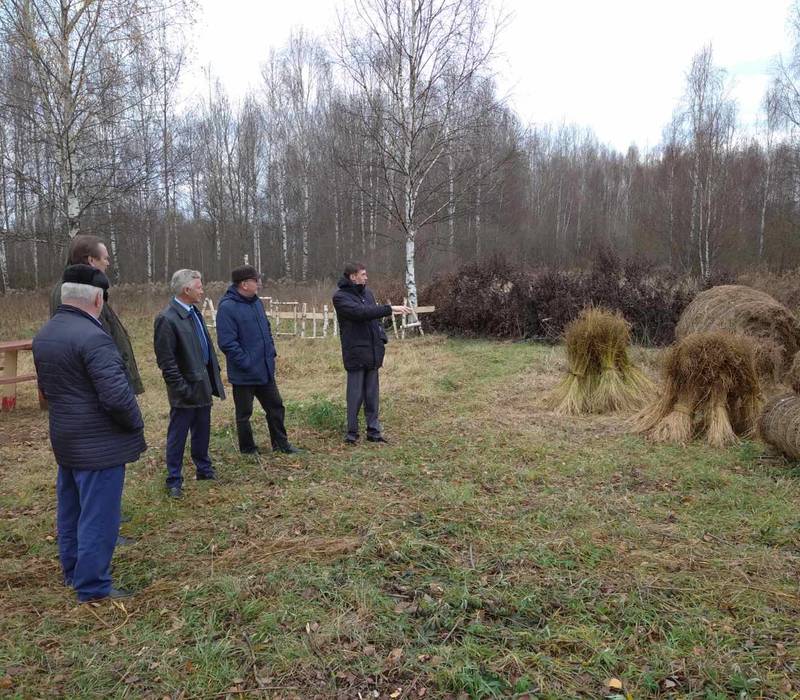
<point>491,550</point>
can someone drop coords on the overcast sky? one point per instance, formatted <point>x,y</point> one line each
<point>617,66</point>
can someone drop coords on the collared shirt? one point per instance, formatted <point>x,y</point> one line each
<point>201,334</point>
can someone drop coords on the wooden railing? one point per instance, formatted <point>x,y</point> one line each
<point>303,320</point>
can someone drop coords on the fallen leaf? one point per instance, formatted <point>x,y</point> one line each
<point>369,650</point>
<point>614,683</point>
<point>396,693</point>
<point>6,682</point>
<point>395,655</point>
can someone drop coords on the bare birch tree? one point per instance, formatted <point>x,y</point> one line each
<point>413,62</point>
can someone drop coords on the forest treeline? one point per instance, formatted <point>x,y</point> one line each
<point>389,144</point>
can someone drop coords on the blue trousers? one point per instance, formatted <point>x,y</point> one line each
<point>181,421</point>
<point>87,519</point>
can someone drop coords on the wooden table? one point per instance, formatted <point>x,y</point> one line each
<point>9,349</point>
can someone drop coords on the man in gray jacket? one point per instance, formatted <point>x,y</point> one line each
<point>188,363</point>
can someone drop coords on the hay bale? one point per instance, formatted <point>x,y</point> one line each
<point>711,389</point>
<point>601,377</point>
<point>793,375</point>
<point>779,425</point>
<point>740,309</point>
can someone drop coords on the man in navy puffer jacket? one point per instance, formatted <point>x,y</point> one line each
<point>244,335</point>
<point>95,429</point>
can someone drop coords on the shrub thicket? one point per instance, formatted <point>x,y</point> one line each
<point>496,299</point>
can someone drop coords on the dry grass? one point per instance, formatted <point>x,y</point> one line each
<point>492,549</point>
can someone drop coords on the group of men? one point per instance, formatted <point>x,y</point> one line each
<point>88,374</point>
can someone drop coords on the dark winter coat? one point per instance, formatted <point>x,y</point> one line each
<point>116,330</point>
<point>360,332</point>
<point>245,336</point>
<point>190,383</point>
<point>95,422</point>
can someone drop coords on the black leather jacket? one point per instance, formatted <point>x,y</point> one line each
<point>190,383</point>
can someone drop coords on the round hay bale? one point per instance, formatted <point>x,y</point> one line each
<point>739,309</point>
<point>601,377</point>
<point>711,389</point>
<point>780,424</point>
<point>793,375</point>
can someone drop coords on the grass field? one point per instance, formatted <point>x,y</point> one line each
<point>491,550</point>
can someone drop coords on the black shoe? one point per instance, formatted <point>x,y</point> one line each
<point>175,492</point>
<point>351,440</point>
<point>253,451</point>
<point>123,541</point>
<point>207,477</point>
<point>376,438</point>
<point>113,594</point>
<point>289,449</point>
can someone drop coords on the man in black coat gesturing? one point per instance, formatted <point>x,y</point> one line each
<point>363,340</point>
<point>188,363</point>
<point>96,428</point>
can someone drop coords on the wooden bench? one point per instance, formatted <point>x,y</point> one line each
<point>9,378</point>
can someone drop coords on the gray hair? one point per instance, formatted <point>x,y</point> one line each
<point>83,293</point>
<point>181,279</point>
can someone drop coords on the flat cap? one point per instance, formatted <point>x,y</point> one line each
<point>86,274</point>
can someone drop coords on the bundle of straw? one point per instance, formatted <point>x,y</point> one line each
<point>711,389</point>
<point>601,377</point>
<point>780,424</point>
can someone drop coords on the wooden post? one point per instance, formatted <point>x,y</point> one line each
<point>394,320</point>
<point>8,370</point>
<point>325,320</point>
<point>303,316</point>
<point>314,322</point>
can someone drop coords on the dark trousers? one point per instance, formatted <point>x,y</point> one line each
<point>270,399</point>
<point>181,421</point>
<point>87,520</point>
<point>363,387</point>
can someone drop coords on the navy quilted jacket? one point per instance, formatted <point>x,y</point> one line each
<point>95,422</point>
<point>244,335</point>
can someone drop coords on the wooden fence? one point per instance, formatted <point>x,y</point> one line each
<point>301,320</point>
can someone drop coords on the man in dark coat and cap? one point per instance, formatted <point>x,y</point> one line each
<point>96,428</point>
<point>90,250</point>
<point>245,336</point>
<point>188,363</point>
<point>363,339</point>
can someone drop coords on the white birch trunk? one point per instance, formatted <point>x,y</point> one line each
<point>287,266</point>
<point>3,264</point>
<point>306,217</point>
<point>411,275</point>
<point>764,200</point>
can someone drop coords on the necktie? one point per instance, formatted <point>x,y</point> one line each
<point>198,326</point>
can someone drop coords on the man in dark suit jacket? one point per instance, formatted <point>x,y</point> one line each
<point>245,336</point>
<point>90,250</point>
<point>362,338</point>
<point>188,363</point>
<point>95,429</point>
